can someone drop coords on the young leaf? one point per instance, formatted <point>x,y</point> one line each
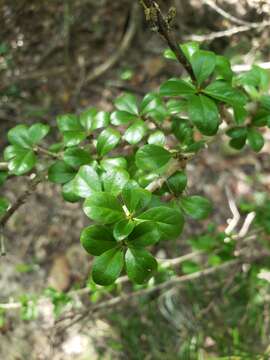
<point>71,128</point>
<point>144,234</point>
<point>76,157</point>
<point>135,198</point>
<point>169,221</point>
<point>152,157</point>
<point>103,208</point>
<point>108,266</point>
<point>196,207</point>
<point>107,141</point>
<point>177,87</point>
<point>255,139</point>
<point>86,182</point>
<point>114,180</point>
<point>140,265</point>
<point>189,49</point>
<point>203,64</point>
<point>122,229</point>
<point>87,119</point>
<point>97,239</point>
<point>204,114</point>
<point>128,103</point>
<point>60,172</point>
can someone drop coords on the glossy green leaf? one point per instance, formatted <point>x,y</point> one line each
<point>176,106</point>
<point>169,54</point>
<point>122,118</point>
<point>96,240</point>
<point>19,136</point>
<point>107,140</point>
<point>144,234</point>
<point>122,229</point>
<point>189,49</point>
<point>177,182</point>
<point>103,208</point>
<point>4,204</point>
<point>119,162</point>
<point>37,132</point>
<point>92,119</point>
<point>135,198</point>
<point>203,64</point>
<point>169,221</point>
<point>86,182</point>
<point>20,160</point>
<point>204,114</point>
<point>152,157</point>
<point>196,206</point>
<point>152,106</point>
<point>71,128</point>
<point>3,177</point>
<point>177,87</point>
<point>108,266</point>
<point>140,265</point>
<point>255,139</point>
<point>135,132</point>
<point>157,138</point>
<point>68,192</point>
<point>60,172</point>
<point>223,68</point>
<point>114,180</point>
<point>224,92</point>
<point>128,103</point>
<point>183,131</point>
<point>76,157</point>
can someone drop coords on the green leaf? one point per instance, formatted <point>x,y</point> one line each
<point>60,172</point>
<point>182,130</point>
<point>108,267</point>
<point>37,132</point>
<point>107,140</point>
<point>86,182</point>
<point>122,229</point>
<point>103,208</point>
<point>135,198</point>
<point>20,160</point>
<point>114,180</point>
<point>4,204</point>
<point>177,182</point>
<point>152,106</point>
<point>140,265</point>
<point>240,114</point>
<point>239,136</point>
<point>118,162</point>
<point>128,103</point>
<point>223,68</point>
<point>157,138</point>
<point>203,112</point>
<point>265,101</point>
<point>92,119</point>
<point>256,77</point>
<point>144,234</point>
<point>169,221</point>
<point>76,157</point>
<point>196,206</point>
<point>224,92</point>
<point>203,64</point>
<point>190,267</point>
<point>122,118</point>
<point>71,128</point>
<point>169,54</point>
<point>189,49</point>
<point>176,106</point>
<point>19,136</point>
<point>152,157</point>
<point>96,240</point>
<point>177,87</point>
<point>135,132</point>
<point>255,139</point>
<point>68,192</point>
